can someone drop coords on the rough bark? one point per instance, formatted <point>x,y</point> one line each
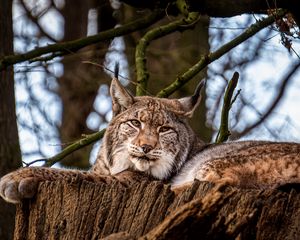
<point>230,8</point>
<point>10,157</point>
<point>150,210</point>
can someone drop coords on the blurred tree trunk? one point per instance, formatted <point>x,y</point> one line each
<point>10,156</point>
<point>171,56</point>
<point>194,43</point>
<point>80,83</point>
<point>150,210</point>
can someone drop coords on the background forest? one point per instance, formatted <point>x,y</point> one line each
<point>57,57</point>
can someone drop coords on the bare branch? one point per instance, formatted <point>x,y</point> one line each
<point>35,20</point>
<point>207,59</point>
<point>274,104</point>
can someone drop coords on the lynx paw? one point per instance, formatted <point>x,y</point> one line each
<point>13,187</point>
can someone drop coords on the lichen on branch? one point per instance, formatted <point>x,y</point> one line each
<point>224,132</point>
<point>86,140</point>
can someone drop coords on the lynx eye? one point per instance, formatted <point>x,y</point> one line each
<point>135,123</point>
<point>164,129</point>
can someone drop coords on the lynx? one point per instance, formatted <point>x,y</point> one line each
<point>152,136</point>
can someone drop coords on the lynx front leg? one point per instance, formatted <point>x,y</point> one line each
<point>23,183</point>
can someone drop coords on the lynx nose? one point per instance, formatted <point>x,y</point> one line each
<point>146,148</point>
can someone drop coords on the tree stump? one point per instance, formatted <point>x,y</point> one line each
<point>150,210</point>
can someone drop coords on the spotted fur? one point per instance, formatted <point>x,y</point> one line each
<point>175,154</point>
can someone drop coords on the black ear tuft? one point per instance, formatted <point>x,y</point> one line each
<point>116,70</point>
<point>121,98</point>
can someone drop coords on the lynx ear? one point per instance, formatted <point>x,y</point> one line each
<point>121,99</point>
<point>189,104</point>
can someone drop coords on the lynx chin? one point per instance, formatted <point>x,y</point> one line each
<point>152,135</point>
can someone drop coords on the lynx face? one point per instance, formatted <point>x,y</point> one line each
<point>151,138</point>
<point>147,134</point>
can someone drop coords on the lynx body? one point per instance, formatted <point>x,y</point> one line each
<point>152,136</point>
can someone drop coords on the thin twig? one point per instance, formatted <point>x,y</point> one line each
<point>235,97</point>
<point>35,20</point>
<point>275,103</point>
<point>33,162</point>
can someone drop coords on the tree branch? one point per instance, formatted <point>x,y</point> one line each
<point>158,32</point>
<point>64,48</point>
<point>73,147</point>
<point>225,8</point>
<point>230,8</point>
<point>207,59</point>
<point>224,132</point>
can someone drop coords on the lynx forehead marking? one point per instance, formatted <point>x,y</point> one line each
<point>153,114</point>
